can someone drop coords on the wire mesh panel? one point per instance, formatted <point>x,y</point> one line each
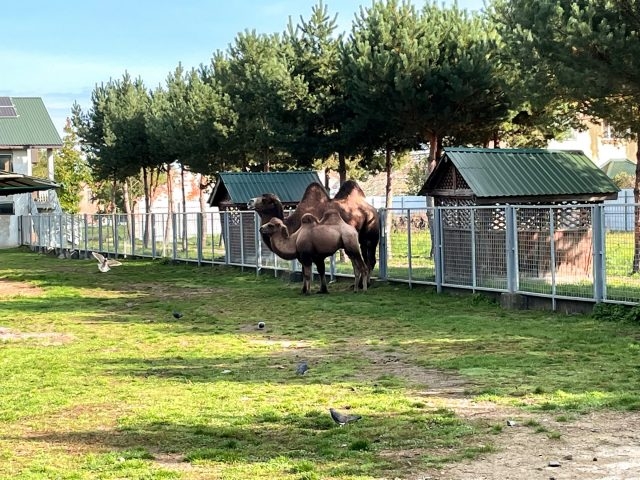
<point>213,248</point>
<point>555,250</point>
<point>397,253</point>
<point>421,221</point>
<point>409,253</point>
<point>490,230</point>
<point>622,284</point>
<point>457,258</point>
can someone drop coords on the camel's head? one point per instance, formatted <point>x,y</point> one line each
<point>274,226</point>
<point>267,203</point>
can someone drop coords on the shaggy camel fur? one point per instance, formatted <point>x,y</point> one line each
<point>350,201</point>
<point>313,242</point>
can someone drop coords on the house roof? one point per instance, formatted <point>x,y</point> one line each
<point>529,173</point>
<point>619,165</point>
<point>11,183</point>
<point>240,187</point>
<point>31,127</point>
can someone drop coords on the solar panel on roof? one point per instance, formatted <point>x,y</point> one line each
<point>6,102</point>
<point>8,112</point>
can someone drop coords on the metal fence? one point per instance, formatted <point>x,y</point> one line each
<point>560,252</point>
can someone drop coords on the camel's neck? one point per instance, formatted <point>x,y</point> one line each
<point>285,248</point>
<point>276,211</point>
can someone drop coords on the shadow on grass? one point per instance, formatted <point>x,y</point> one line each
<point>359,448</point>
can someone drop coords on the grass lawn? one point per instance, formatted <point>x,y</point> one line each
<point>100,381</point>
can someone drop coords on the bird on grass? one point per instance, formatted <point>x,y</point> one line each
<point>177,315</point>
<point>105,264</point>
<point>302,368</point>
<point>342,418</point>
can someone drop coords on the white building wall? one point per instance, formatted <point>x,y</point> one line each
<point>9,228</point>
<point>592,142</point>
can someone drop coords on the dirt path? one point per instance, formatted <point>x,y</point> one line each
<point>602,445</point>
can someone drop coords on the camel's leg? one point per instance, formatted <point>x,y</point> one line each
<point>323,278</point>
<point>369,255</point>
<point>306,279</point>
<point>359,268</point>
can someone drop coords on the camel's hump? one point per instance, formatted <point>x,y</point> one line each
<point>309,218</point>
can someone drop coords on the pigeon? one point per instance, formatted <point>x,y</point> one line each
<point>177,315</point>
<point>342,418</point>
<point>104,264</point>
<point>302,368</point>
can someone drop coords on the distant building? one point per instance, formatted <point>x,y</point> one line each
<point>599,143</point>
<point>25,129</point>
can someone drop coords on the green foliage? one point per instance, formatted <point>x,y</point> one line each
<point>624,180</point>
<point>317,119</point>
<point>616,313</point>
<point>417,175</point>
<point>254,74</point>
<point>71,171</point>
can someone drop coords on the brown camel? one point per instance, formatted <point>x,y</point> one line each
<point>313,242</point>
<point>350,201</point>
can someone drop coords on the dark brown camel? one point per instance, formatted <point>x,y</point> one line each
<point>313,242</point>
<point>350,201</point>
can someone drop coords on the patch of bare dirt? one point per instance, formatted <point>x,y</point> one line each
<point>44,338</point>
<point>172,461</point>
<point>433,382</point>
<point>600,445</point>
<point>9,288</point>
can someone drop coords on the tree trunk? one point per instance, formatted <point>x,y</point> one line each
<point>202,185</point>
<point>434,141</point>
<point>388,203</point>
<point>184,210</point>
<point>113,207</point>
<point>342,167</point>
<point>636,229</point>
<point>168,229</point>
<point>147,206</point>
<point>127,208</point>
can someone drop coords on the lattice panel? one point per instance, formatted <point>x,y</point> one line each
<point>452,179</point>
<point>454,202</point>
<point>460,181</point>
<point>448,179</point>
<point>572,218</point>
<point>532,219</point>
<point>498,220</point>
<point>457,218</point>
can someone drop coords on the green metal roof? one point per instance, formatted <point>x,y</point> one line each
<point>31,128</point>
<point>11,183</point>
<point>619,165</point>
<point>240,187</point>
<point>524,172</point>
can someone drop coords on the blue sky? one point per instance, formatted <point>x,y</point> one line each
<point>60,50</point>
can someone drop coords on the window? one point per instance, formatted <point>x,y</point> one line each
<point>6,163</point>
<point>6,208</point>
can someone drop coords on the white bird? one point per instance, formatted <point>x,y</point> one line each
<point>104,264</point>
